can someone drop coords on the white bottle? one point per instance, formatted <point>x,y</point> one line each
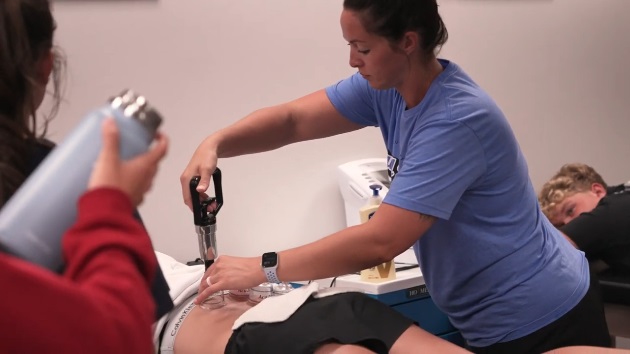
<point>34,220</point>
<point>367,211</point>
<point>385,271</point>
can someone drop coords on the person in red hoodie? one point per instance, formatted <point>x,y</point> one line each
<point>102,302</point>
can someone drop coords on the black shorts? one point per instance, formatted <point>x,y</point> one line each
<point>347,318</point>
<point>585,324</point>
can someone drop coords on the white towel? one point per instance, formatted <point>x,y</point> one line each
<point>183,281</point>
<point>279,308</point>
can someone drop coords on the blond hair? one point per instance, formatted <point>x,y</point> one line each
<point>570,179</point>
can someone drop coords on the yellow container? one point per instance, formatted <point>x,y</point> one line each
<point>380,273</point>
<point>385,271</point>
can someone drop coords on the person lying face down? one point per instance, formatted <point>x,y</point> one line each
<point>306,320</point>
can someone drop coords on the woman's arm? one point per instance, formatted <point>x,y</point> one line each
<point>307,118</point>
<point>102,304</point>
<point>388,233</point>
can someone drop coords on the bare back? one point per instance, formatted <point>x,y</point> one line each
<point>208,331</point>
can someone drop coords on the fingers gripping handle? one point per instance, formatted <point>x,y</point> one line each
<point>205,221</point>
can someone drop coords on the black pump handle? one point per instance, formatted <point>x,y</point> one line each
<point>200,208</point>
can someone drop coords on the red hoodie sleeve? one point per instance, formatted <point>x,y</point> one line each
<point>101,304</point>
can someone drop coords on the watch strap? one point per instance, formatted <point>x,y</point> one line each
<point>271,275</point>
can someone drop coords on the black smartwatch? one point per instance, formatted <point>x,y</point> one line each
<point>269,266</point>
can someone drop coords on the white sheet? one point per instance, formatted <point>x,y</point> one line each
<point>279,308</point>
<point>183,281</point>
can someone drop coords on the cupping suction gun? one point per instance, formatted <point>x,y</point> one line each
<point>206,221</point>
<point>206,226</point>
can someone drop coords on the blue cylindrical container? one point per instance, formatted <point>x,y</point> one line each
<point>34,220</point>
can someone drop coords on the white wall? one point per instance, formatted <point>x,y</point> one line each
<point>558,68</point>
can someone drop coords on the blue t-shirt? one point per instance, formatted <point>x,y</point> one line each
<point>491,261</point>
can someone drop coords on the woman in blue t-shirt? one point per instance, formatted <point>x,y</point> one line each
<point>460,194</point>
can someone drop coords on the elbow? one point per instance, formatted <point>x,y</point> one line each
<point>390,253</point>
<point>387,242</point>
<point>385,247</point>
<point>384,257</point>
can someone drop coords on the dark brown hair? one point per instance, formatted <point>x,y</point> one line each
<point>26,36</point>
<point>392,18</point>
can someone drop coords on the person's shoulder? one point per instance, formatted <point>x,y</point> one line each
<point>356,85</point>
<point>619,189</point>
<point>616,193</point>
<point>353,82</point>
<point>42,147</point>
<point>612,208</point>
<point>454,76</point>
<point>459,87</point>
<point>617,198</point>
<point>45,143</point>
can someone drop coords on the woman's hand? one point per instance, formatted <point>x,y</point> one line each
<point>230,273</point>
<point>203,163</point>
<point>135,176</point>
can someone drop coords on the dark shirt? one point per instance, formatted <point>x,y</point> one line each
<point>604,232</point>
<point>39,151</point>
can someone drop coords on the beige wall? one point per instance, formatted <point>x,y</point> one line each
<point>558,68</point>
